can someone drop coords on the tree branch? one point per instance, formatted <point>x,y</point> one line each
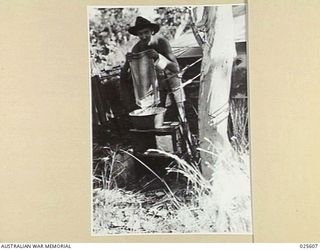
<point>195,30</point>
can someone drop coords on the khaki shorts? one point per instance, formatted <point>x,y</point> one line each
<point>172,84</point>
<point>179,95</point>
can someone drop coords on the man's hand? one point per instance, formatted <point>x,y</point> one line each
<point>154,54</point>
<point>129,57</point>
<point>172,67</point>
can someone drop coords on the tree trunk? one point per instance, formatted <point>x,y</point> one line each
<point>218,54</point>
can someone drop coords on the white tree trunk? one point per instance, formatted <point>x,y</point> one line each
<point>218,55</point>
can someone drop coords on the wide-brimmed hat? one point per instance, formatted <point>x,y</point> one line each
<point>142,23</point>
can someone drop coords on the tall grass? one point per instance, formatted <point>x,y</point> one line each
<point>111,169</point>
<point>220,204</point>
<point>239,118</point>
<point>223,202</point>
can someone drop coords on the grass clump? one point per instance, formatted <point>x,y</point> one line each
<point>198,205</point>
<point>221,204</point>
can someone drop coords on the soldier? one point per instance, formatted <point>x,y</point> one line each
<point>162,54</point>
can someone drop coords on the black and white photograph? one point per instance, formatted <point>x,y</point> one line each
<point>169,120</point>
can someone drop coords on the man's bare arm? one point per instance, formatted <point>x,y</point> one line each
<point>166,50</point>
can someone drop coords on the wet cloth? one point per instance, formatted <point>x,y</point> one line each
<point>144,79</point>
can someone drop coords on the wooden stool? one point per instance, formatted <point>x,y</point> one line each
<point>167,138</point>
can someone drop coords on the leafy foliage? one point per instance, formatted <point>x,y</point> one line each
<point>170,20</point>
<point>109,36</point>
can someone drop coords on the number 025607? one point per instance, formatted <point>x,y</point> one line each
<point>308,246</point>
